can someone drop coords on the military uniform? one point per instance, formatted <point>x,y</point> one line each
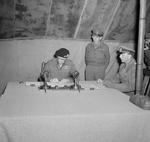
<point>60,67</point>
<point>147,62</point>
<point>54,71</point>
<point>96,60</point>
<point>125,79</point>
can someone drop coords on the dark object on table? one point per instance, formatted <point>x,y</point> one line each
<point>75,76</point>
<point>41,77</point>
<point>45,87</point>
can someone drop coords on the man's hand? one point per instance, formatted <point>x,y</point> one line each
<point>99,81</point>
<point>108,83</point>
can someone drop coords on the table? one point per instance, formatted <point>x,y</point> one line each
<point>28,114</point>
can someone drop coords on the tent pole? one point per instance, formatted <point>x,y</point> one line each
<point>140,53</point>
<point>139,99</point>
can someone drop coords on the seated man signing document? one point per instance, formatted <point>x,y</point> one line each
<point>60,68</point>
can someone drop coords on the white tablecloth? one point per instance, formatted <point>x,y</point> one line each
<point>28,114</point>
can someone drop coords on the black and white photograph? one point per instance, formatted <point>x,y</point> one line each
<point>74,70</point>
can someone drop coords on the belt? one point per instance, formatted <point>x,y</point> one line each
<point>95,64</point>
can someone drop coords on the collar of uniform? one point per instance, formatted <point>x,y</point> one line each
<point>57,65</point>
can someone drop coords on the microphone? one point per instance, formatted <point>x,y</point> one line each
<point>75,75</point>
<point>44,78</point>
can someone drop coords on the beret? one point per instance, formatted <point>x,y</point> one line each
<point>62,52</point>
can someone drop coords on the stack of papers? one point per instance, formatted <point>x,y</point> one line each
<point>91,86</point>
<point>52,84</point>
<point>33,83</point>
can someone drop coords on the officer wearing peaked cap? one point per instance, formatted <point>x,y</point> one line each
<point>97,56</point>
<point>124,80</point>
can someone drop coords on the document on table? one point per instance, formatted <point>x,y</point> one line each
<point>91,85</point>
